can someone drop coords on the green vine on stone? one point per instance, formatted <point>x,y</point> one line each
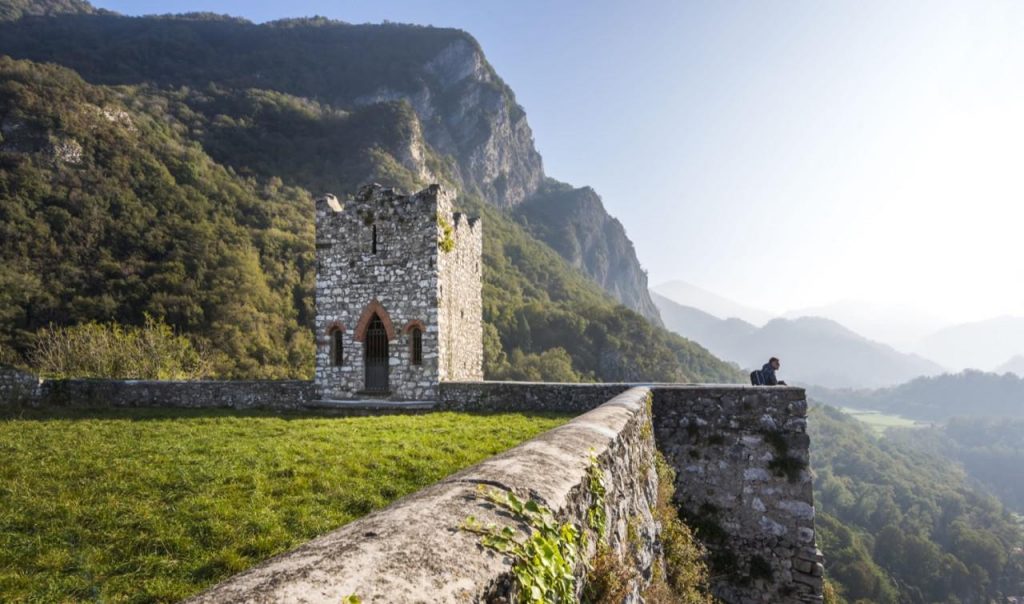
<point>545,562</point>
<point>447,241</point>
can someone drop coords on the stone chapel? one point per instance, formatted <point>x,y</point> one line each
<point>398,295</point>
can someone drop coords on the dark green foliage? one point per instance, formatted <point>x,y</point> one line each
<point>140,220</point>
<point>11,10</point>
<point>990,450</point>
<point>900,523</point>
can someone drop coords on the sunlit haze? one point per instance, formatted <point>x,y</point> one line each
<point>785,154</point>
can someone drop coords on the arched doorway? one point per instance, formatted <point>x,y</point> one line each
<point>375,347</point>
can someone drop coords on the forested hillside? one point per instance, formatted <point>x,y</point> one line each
<point>468,114</point>
<point>991,450</point>
<point>902,523</point>
<point>194,206</point>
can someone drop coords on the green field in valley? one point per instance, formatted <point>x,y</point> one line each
<point>155,505</point>
<point>880,422</point>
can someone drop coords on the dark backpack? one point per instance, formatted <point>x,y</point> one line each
<point>756,378</point>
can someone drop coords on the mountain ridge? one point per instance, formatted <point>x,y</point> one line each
<point>466,111</point>
<point>814,350</point>
<point>688,294</point>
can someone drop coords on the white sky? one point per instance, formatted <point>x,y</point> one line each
<point>785,154</point>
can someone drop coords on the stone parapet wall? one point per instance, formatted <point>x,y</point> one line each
<point>744,483</point>
<point>416,551</point>
<point>18,387</point>
<point>284,394</point>
<point>526,396</point>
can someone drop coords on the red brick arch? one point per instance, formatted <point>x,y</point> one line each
<point>414,323</point>
<point>364,321</point>
<point>334,326</point>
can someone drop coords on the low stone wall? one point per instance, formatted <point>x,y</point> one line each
<point>283,394</point>
<point>18,387</point>
<point>744,483</point>
<point>416,551</point>
<point>525,396</point>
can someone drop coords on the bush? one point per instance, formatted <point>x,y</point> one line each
<point>110,350</point>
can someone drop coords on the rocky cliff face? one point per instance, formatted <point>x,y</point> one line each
<point>575,223</point>
<point>470,114</point>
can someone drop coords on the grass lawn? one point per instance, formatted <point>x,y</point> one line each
<point>155,505</point>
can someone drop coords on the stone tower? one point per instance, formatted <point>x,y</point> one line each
<point>398,301</point>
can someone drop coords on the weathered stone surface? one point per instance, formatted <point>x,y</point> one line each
<point>414,550</point>
<point>381,252</point>
<point>759,493</point>
<point>239,394</point>
<point>525,396</point>
<point>18,386</point>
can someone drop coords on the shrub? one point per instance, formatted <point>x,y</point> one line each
<point>685,578</point>
<point>110,350</point>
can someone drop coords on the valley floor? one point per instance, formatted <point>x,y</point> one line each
<point>156,505</point>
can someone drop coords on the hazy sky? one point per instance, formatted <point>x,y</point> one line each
<point>786,154</point>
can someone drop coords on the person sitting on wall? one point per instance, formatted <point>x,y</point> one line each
<point>766,376</point>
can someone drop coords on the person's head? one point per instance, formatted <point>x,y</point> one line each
<point>774,362</point>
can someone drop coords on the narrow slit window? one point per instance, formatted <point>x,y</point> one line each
<point>337,348</point>
<point>373,245</point>
<point>417,346</point>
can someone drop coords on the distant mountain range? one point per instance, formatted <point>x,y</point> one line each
<point>813,350</point>
<point>990,345</point>
<point>984,345</point>
<point>897,325</point>
<point>696,297</point>
<point>1014,365</point>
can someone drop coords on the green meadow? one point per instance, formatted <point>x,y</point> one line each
<point>156,505</point>
<point>880,422</point>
